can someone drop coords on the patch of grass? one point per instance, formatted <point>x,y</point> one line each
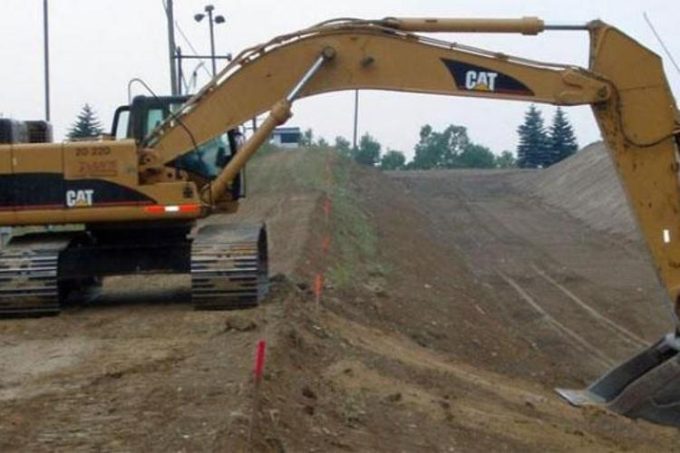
<point>309,170</point>
<point>355,239</point>
<point>265,150</point>
<point>303,167</point>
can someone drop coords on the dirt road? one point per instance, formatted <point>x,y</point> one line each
<point>452,307</point>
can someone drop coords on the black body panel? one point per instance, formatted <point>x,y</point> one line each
<point>50,190</point>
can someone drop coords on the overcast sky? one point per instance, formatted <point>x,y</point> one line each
<point>97,46</point>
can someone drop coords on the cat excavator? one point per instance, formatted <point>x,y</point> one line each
<point>138,196</point>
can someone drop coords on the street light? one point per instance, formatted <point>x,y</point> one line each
<point>46,38</point>
<point>211,21</point>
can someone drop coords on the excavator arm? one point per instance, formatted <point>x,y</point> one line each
<point>368,55</point>
<point>625,85</point>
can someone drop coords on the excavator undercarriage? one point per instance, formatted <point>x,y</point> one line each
<point>41,272</point>
<point>29,276</point>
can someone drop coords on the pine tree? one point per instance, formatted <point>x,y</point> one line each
<point>562,139</point>
<point>533,150</point>
<point>87,124</point>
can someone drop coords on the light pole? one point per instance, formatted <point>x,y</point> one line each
<point>356,119</point>
<point>170,15</point>
<point>219,19</point>
<point>46,38</point>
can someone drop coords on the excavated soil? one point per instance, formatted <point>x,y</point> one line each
<point>451,308</point>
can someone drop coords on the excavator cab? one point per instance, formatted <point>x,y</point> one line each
<point>203,163</point>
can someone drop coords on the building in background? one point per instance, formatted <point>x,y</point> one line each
<point>286,137</point>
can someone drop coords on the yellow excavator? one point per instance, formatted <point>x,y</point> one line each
<point>139,197</point>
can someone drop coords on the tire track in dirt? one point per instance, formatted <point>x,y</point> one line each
<point>558,326</point>
<point>495,237</point>
<point>621,331</point>
<point>496,232</point>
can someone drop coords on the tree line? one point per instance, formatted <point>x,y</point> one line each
<point>450,148</point>
<point>539,147</point>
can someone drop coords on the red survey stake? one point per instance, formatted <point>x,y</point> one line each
<point>259,359</point>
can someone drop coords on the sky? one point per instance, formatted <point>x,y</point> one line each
<point>98,46</point>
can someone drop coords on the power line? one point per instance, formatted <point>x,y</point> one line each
<point>184,37</point>
<point>658,38</point>
<point>191,46</point>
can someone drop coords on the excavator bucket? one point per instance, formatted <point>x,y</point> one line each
<point>646,386</point>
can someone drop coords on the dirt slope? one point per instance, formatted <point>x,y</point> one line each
<point>585,186</point>
<point>451,308</point>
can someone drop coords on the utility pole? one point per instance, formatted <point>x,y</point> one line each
<point>210,9</point>
<point>169,12</point>
<point>47,60</point>
<point>356,118</point>
<point>180,71</point>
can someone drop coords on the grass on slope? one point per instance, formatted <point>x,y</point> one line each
<point>354,237</point>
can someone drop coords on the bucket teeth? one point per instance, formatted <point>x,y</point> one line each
<point>645,386</point>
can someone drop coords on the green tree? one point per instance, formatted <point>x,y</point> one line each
<point>440,149</point>
<point>476,156</point>
<point>342,145</point>
<point>393,160</point>
<point>506,160</point>
<point>87,124</point>
<point>368,152</point>
<point>307,138</point>
<point>322,143</point>
<point>533,150</point>
<point>562,139</point>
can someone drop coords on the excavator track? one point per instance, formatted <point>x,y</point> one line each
<point>229,267</point>
<point>29,283</point>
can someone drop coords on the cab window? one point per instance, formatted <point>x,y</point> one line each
<point>209,159</point>
<point>153,118</point>
<point>121,131</point>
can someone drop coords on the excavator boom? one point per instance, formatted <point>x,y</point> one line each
<point>370,55</point>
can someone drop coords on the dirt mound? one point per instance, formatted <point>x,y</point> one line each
<point>587,187</point>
